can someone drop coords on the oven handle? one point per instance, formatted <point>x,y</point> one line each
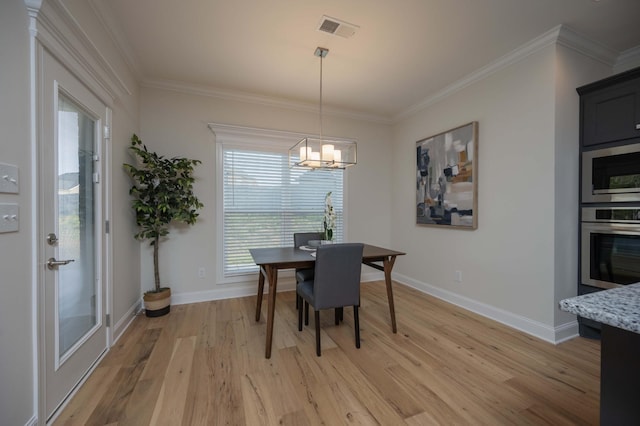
<point>615,191</point>
<point>612,227</point>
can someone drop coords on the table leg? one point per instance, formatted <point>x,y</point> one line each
<point>260,291</point>
<point>388,267</point>
<point>272,278</point>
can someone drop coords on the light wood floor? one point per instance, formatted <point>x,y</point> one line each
<point>203,364</point>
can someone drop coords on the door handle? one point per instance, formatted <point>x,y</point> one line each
<point>52,263</point>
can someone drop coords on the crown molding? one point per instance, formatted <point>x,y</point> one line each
<point>580,43</point>
<point>627,60</point>
<point>238,96</point>
<point>53,26</point>
<point>561,34</point>
<point>112,27</point>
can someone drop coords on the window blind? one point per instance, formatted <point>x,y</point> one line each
<point>265,202</point>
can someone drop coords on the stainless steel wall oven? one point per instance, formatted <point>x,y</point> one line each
<point>610,246</point>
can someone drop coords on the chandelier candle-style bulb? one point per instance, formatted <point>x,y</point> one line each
<point>315,159</point>
<point>327,153</point>
<point>337,156</point>
<point>305,153</point>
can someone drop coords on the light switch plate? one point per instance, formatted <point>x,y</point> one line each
<point>9,218</point>
<point>9,179</point>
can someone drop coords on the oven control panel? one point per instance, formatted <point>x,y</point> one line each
<point>611,214</point>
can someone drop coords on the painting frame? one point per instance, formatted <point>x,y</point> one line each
<point>447,178</point>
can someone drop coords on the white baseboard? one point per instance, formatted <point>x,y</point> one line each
<point>567,331</point>
<point>527,325</point>
<point>126,320</point>
<point>226,291</point>
<point>372,276</point>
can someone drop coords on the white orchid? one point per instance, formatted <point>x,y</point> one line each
<point>329,221</point>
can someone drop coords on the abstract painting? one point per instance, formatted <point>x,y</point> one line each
<point>447,178</point>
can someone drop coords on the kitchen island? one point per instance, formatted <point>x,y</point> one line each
<point>618,310</point>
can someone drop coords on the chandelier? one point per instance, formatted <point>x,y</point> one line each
<point>323,153</point>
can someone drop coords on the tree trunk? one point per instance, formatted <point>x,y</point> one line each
<point>156,272</point>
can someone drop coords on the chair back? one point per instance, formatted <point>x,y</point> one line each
<point>303,238</point>
<point>337,275</point>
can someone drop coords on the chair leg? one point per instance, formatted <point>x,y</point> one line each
<point>356,324</point>
<point>341,310</point>
<point>298,303</point>
<point>337,315</point>
<point>306,313</point>
<point>317,320</point>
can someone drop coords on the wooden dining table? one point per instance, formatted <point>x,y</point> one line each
<point>271,260</point>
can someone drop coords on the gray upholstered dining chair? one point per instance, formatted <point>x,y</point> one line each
<point>335,284</point>
<point>302,239</point>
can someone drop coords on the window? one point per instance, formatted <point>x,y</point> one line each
<point>264,202</point>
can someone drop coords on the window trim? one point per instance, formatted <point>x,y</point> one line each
<point>252,138</point>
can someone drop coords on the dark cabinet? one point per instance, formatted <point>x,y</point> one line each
<point>610,109</point>
<point>609,118</point>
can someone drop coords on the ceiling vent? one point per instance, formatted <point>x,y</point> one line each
<point>337,27</point>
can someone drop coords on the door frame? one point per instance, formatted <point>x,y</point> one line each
<point>52,28</point>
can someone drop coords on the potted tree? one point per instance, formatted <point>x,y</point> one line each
<point>162,192</point>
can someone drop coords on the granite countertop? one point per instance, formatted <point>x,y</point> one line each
<point>618,307</point>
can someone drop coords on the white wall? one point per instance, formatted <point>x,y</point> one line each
<point>16,338</point>
<point>508,262</point>
<point>572,70</point>
<point>175,124</point>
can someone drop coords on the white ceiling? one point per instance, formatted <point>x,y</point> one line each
<point>404,52</point>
